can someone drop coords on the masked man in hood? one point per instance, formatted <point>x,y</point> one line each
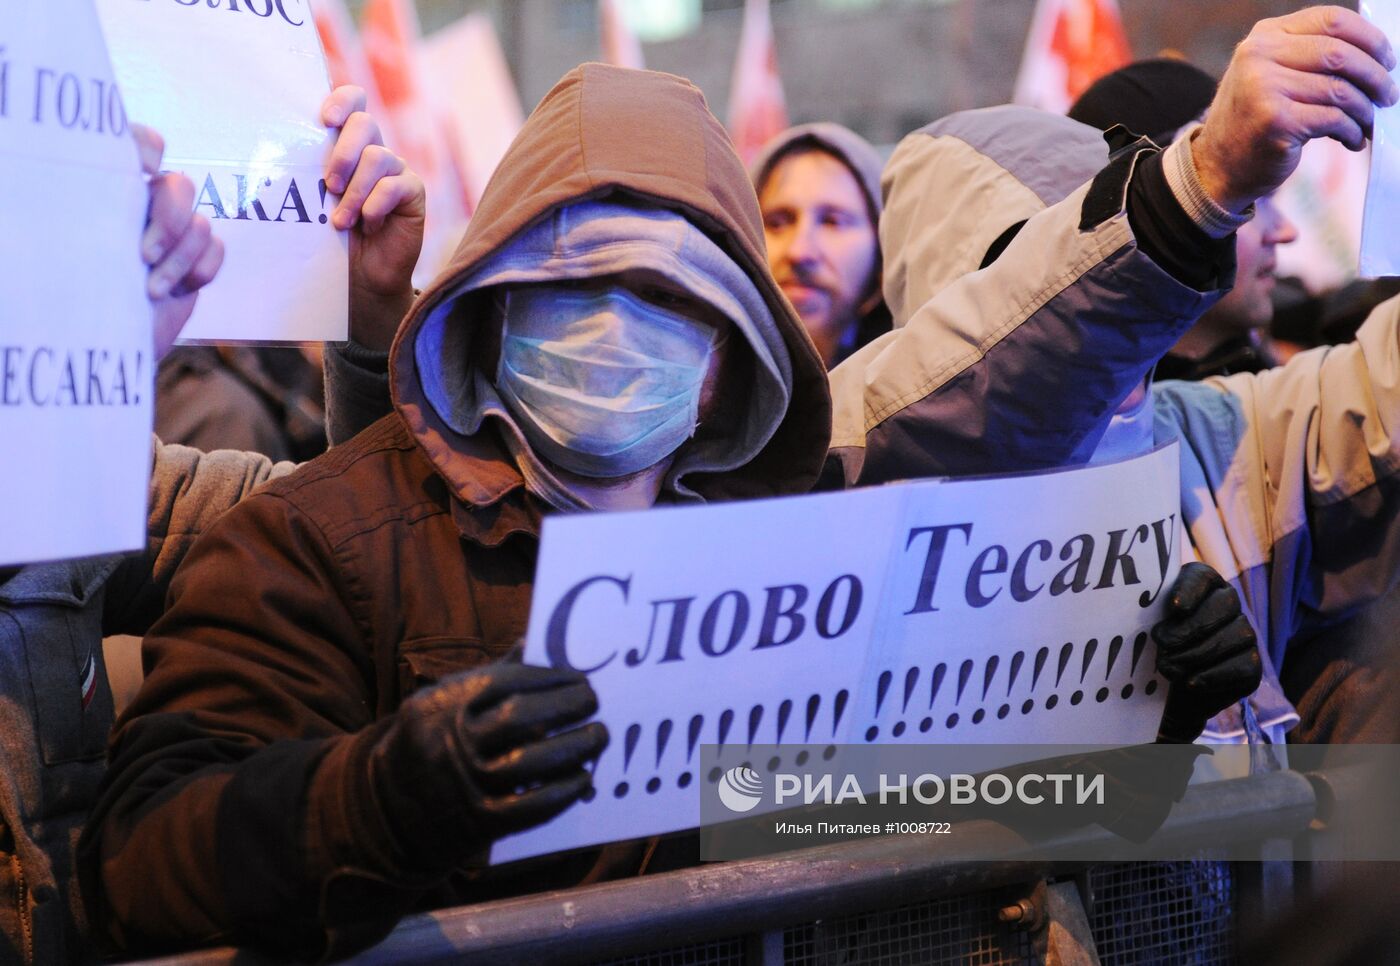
<point>1288,477</point>
<point>306,759</point>
<point>325,737</point>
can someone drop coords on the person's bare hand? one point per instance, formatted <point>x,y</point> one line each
<point>182,254</point>
<point>1316,73</point>
<point>382,205</point>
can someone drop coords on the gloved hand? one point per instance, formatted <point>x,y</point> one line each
<point>481,755</point>
<point>1206,650</point>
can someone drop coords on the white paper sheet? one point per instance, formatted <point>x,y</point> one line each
<point>1380,231</point>
<point>987,611</point>
<point>76,376</point>
<point>235,88</point>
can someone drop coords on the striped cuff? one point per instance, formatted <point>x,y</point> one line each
<point>1180,170</point>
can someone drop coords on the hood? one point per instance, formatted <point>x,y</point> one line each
<point>955,188</point>
<point>848,147</point>
<point>640,139</point>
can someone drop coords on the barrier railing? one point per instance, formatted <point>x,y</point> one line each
<point>763,911</point>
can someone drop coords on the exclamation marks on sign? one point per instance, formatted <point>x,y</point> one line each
<point>1041,656</point>
<point>663,735</point>
<point>882,688</point>
<point>989,672</point>
<point>784,715</point>
<point>935,682</point>
<point>964,673</point>
<point>726,721</point>
<point>1115,646</point>
<point>1066,653</point>
<point>629,747</point>
<point>692,738</point>
<point>755,719</point>
<point>842,697</point>
<point>322,186</point>
<point>1139,646</point>
<point>1089,650</point>
<point>911,681</point>
<point>814,704</point>
<point>1017,659</point>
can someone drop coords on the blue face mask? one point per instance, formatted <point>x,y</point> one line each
<point>602,383</point>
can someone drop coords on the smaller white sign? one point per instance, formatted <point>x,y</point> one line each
<point>1380,232</point>
<point>76,366</point>
<point>1011,611</point>
<point>235,88</point>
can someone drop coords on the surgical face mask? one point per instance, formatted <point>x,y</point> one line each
<point>1128,434</point>
<point>602,383</point>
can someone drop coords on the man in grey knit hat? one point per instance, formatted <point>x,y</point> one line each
<point>818,187</point>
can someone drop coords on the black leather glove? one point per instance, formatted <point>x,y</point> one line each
<point>1206,650</point>
<point>481,755</point>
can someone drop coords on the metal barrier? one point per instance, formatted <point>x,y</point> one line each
<point>887,900</point>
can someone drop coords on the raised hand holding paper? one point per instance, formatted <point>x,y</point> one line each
<point>1012,611</point>
<point>76,366</point>
<point>1380,232</point>
<point>235,87</point>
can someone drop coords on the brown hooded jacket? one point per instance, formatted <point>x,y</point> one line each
<point>238,806</point>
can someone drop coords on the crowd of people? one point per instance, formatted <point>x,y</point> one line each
<point>334,725</point>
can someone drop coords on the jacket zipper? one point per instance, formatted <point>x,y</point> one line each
<point>26,924</point>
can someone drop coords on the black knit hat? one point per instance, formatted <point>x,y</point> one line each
<point>1153,97</point>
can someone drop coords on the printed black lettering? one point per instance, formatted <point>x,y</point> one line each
<point>70,101</point>
<point>293,202</point>
<point>709,623</point>
<point>675,635</point>
<point>1020,591</point>
<point>9,375</point>
<point>1120,557</point>
<point>774,611</point>
<point>1079,582</point>
<point>209,195</point>
<point>555,638</point>
<point>34,397</point>
<point>1165,532</point>
<point>39,93</point>
<point>937,543</point>
<point>94,378</point>
<point>828,602</point>
<point>982,568</point>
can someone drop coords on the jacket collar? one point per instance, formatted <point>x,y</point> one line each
<point>490,502</point>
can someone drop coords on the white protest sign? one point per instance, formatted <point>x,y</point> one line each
<point>76,366</point>
<point>235,88</point>
<point>1003,611</point>
<point>1380,235</point>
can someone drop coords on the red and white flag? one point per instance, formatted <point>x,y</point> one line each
<point>345,58</point>
<point>1072,43</point>
<point>757,108</point>
<point>475,95</point>
<point>620,46</point>
<point>413,127</point>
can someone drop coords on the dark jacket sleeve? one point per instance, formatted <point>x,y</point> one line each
<point>357,389</point>
<point>237,806</point>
